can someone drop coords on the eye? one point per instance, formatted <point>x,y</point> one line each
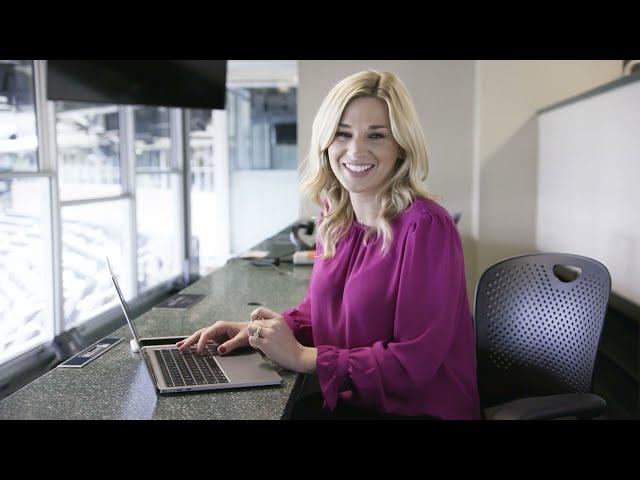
<point>376,136</point>
<point>343,134</point>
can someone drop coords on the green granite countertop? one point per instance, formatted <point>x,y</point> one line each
<point>117,386</point>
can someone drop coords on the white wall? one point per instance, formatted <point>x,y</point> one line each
<point>263,202</point>
<point>479,119</point>
<point>508,95</point>
<point>589,200</point>
<point>443,95</point>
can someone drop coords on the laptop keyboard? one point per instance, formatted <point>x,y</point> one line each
<point>181,369</point>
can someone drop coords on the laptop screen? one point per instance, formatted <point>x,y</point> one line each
<point>129,318</point>
<point>123,304</point>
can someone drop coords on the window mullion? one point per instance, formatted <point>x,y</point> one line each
<point>128,162</point>
<point>47,161</point>
<point>222,181</point>
<point>180,161</point>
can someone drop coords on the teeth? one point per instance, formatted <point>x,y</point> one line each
<point>357,168</point>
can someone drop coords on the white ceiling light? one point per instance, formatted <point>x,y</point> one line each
<point>262,73</point>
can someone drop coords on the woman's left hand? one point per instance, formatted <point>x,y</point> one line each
<point>276,339</point>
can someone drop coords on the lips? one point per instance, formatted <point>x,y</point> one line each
<point>358,167</point>
<point>357,170</point>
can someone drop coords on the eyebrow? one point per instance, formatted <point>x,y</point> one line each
<point>372,127</point>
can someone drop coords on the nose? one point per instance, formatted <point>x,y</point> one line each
<point>356,148</point>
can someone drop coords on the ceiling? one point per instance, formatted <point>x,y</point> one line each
<point>262,73</point>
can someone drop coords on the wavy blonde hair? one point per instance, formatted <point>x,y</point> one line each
<point>405,181</point>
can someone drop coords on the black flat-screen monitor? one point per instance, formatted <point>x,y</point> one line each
<point>168,83</point>
<point>285,133</point>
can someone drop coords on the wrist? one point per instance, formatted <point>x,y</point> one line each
<point>307,360</point>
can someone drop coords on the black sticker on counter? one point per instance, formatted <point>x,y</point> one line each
<point>91,353</point>
<point>181,301</point>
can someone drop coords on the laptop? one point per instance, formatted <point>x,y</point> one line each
<point>173,371</point>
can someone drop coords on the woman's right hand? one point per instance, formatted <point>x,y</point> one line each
<point>235,334</point>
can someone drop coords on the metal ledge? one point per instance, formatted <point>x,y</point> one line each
<point>620,82</point>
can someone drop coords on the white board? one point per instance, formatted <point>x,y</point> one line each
<point>589,183</point>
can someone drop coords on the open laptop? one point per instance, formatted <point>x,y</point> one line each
<point>173,371</point>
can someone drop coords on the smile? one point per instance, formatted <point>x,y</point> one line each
<point>358,168</point>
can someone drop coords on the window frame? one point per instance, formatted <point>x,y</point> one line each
<point>48,167</point>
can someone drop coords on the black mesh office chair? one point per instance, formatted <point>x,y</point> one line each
<point>538,320</point>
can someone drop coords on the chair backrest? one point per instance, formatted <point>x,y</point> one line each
<point>538,320</point>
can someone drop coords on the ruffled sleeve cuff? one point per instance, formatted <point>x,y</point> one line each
<point>332,369</point>
<point>299,325</point>
<point>287,315</point>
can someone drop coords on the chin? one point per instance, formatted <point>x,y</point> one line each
<point>356,189</point>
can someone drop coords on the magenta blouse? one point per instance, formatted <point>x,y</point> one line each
<point>394,333</point>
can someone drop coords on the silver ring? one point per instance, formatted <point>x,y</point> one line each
<point>256,334</point>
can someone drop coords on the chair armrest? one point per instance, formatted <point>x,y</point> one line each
<point>581,405</point>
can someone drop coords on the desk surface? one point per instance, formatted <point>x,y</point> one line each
<point>117,386</point>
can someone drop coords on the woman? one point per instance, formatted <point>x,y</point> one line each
<point>385,324</point>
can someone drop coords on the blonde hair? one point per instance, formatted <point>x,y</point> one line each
<point>405,182</point>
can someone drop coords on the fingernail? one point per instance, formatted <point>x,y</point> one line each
<point>222,349</point>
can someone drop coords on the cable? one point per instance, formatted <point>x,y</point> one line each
<point>268,264</point>
<point>273,262</point>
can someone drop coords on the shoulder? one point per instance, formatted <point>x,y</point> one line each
<point>425,211</point>
<point>429,231</point>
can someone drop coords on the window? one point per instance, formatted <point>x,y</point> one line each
<point>201,143</point>
<point>262,128</point>
<point>93,213</point>
<point>91,232</point>
<point>152,139</point>
<point>26,292</point>
<point>159,230</point>
<point>263,163</point>
<point>82,181</point>
<point>26,318</point>
<point>18,138</point>
<point>284,148</point>
<point>158,202</point>
<point>205,237</point>
<point>240,144</point>
<point>88,142</point>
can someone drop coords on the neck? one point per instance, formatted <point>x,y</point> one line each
<point>365,207</point>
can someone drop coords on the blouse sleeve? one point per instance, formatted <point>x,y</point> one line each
<point>391,376</point>
<point>299,318</point>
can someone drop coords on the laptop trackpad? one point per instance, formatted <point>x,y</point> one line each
<point>248,366</point>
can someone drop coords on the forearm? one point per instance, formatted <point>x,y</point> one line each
<point>307,360</point>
